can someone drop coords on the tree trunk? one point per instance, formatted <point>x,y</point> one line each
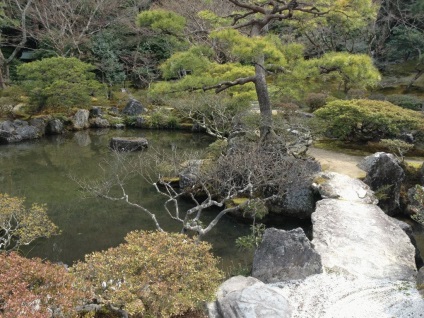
<point>261,88</point>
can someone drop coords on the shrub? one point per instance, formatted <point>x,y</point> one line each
<point>59,81</point>
<point>20,225</point>
<point>406,101</point>
<point>315,101</point>
<point>36,289</point>
<point>156,274</point>
<point>365,120</point>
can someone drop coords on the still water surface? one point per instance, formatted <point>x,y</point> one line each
<point>40,171</point>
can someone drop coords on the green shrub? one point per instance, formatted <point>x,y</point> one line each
<point>154,274</point>
<point>365,120</point>
<point>406,101</point>
<point>59,81</point>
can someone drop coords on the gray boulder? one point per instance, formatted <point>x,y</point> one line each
<point>80,119</point>
<point>361,240</point>
<point>7,126</point>
<point>384,174</point>
<point>299,198</point>
<point>28,132</point>
<point>409,231</point>
<point>7,137</point>
<point>285,255</point>
<point>242,297</point>
<point>96,111</point>
<point>133,108</point>
<point>55,127</point>
<point>39,123</point>
<point>333,185</point>
<point>128,143</point>
<point>98,122</point>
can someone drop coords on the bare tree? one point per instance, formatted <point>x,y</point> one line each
<point>250,171</point>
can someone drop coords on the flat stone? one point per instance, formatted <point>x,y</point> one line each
<point>361,240</point>
<point>128,143</point>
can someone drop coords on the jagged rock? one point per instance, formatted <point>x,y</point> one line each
<point>335,296</point>
<point>133,108</point>
<point>249,299</point>
<point>189,173</point>
<point>128,143</point>
<point>55,127</point>
<point>98,122</point>
<point>299,198</point>
<point>7,126</point>
<point>333,185</point>
<point>384,175</point>
<point>80,119</point>
<point>361,240</point>
<point>285,255</point>
<point>40,124</point>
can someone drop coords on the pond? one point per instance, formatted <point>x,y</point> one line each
<point>40,171</point>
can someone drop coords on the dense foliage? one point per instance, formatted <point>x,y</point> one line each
<point>37,289</point>
<point>20,225</point>
<point>59,81</point>
<point>156,274</point>
<point>365,120</point>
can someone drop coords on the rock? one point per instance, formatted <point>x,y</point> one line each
<point>96,111</point>
<point>7,137</point>
<point>384,174</point>
<point>128,143</point>
<point>7,126</point>
<point>40,124</point>
<point>420,278</point>
<point>139,122</point>
<point>119,126</point>
<point>98,122</point>
<point>250,299</point>
<point>335,296</point>
<point>55,127</point>
<point>28,132</point>
<point>133,108</point>
<point>299,198</point>
<point>80,119</point>
<point>421,174</point>
<point>285,255</point>
<point>360,240</point>
<point>189,174</point>
<point>332,185</point>
<point>19,123</point>
<point>419,262</point>
<point>113,111</point>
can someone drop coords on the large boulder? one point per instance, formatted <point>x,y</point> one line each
<point>133,108</point>
<point>336,296</point>
<point>7,137</point>
<point>384,175</point>
<point>244,297</point>
<point>98,122</point>
<point>361,240</point>
<point>80,119</point>
<point>28,132</point>
<point>18,130</point>
<point>285,255</point>
<point>55,127</point>
<point>299,198</point>
<point>189,173</point>
<point>40,123</point>
<point>333,185</point>
<point>128,143</point>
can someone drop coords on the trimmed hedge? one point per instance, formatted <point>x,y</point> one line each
<point>364,120</point>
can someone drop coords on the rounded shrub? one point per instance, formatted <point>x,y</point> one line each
<point>406,101</point>
<point>364,120</point>
<point>154,274</point>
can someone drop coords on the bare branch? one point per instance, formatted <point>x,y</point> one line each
<point>227,84</point>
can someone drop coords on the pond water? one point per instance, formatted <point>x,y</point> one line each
<point>40,171</point>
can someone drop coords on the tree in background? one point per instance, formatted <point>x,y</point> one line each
<point>59,81</point>
<point>20,225</point>
<point>251,57</point>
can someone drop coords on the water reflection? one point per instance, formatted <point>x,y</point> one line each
<point>39,170</point>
